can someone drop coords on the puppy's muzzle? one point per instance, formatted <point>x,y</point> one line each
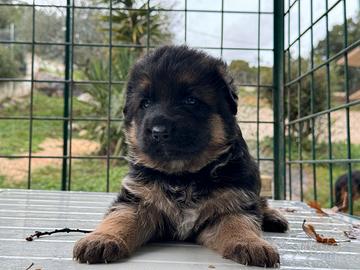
<point>160,133</point>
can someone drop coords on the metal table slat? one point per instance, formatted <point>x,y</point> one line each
<point>23,211</point>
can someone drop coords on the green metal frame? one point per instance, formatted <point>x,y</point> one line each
<point>278,93</point>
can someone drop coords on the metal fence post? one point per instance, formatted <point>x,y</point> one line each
<point>278,102</point>
<point>66,95</point>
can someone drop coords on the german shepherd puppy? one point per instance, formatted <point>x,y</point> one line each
<point>191,175</point>
<point>341,191</point>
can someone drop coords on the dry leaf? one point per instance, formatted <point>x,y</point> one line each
<point>211,266</point>
<point>310,231</point>
<point>315,205</point>
<point>354,233</point>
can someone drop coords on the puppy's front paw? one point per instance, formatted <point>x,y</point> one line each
<point>99,248</point>
<point>256,253</point>
<point>273,221</point>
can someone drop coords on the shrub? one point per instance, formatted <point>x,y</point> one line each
<point>10,67</point>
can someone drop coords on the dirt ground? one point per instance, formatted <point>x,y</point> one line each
<point>338,126</point>
<point>17,169</point>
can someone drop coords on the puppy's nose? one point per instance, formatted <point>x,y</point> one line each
<point>159,133</point>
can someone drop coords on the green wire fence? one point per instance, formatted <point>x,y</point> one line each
<point>296,155</point>
<point>316,78</point>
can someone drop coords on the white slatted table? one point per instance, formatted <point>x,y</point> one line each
<point>24,211</point>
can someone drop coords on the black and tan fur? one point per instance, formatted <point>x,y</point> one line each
<point>196,181</point>
<point>341,191</point>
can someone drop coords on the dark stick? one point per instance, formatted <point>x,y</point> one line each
<point>31,265</point>
<point>37,234</point>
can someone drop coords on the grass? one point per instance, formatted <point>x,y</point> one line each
<point>323,184</point>
<point>2,179</point>
<point>14,134</point>
<point>339,151</point>
<point>86,175</point>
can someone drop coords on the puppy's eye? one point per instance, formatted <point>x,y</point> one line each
<point>145,103</point>
<point>190,101</point>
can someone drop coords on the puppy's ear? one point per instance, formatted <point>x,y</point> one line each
<point>230,89</point>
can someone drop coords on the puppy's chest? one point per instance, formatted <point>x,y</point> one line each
<point>186,222</point>
<point>183,210</point>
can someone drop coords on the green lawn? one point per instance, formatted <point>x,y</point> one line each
<point>2,179</point>
<point>323,184</point>
<point>339,151</point>
<point>86,175</point>
<point>14,134</point>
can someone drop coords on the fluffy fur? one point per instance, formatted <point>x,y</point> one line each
<point>341,191</point>
<point>191,175</point>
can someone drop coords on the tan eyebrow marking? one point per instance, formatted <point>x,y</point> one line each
<point>144,83</point>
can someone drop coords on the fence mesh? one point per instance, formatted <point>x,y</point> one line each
<point>64,65</point>
<point>321,98</point>
<point>61,108</point>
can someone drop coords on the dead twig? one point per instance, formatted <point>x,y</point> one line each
<point>354,233</point>
<point>38,234</point>
<point>31,265</point>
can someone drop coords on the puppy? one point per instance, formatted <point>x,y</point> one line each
<point>341,191</point>
<point>191,175</point>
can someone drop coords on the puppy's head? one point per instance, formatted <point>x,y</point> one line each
<point>180,110</point>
